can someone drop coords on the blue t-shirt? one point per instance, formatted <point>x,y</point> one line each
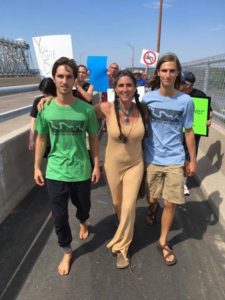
<point>141,82</point>
<point>168,117</point>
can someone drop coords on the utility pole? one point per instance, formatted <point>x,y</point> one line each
<point>159,25</point>
<point>132,47</point>
<point>80,56</point>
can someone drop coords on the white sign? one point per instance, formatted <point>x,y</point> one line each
<point>149,57</point>
<point>49,48</point>
<point>110,95</point>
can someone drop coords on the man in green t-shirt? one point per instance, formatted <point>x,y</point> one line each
<point>66,120</point>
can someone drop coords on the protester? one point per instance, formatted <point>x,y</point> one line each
<point>187,86</point>
<point>113,69</point>
<point>171,111</point>
<point>84,90</point>
<point>66,120</point>
<point>47,88</point>
<point>140,81</point>
<point>123,165</point>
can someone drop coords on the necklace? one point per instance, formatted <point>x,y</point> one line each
<point>127,130</point>
<point>126,113</point>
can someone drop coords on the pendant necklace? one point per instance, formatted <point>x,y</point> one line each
<point>126,113</point>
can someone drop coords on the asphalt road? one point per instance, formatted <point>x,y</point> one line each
<point>29,254</point>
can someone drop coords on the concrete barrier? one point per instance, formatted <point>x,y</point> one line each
<point>18,89</point>
<point>14,113</point>
<point>16,170</point>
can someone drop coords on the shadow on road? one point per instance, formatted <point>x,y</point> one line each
<point>194,217</point>
<point>17,233</point>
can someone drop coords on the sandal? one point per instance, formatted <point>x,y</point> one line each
<point>167,248</point>
<point>121,262</point>
<point>152,212</point>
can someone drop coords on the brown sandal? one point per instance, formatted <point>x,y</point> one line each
<point>167,248</point>
<point>152,212</point>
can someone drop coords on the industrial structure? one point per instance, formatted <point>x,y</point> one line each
<point>15,58</point>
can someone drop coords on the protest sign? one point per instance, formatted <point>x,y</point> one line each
<point>97,66</point>
<point>201,115</point>
<point>49,48</point>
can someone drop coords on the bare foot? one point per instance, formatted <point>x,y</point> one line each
<point>64,266</point>
<point>84,233</point>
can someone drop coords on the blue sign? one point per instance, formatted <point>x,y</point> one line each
<point>97,65</point>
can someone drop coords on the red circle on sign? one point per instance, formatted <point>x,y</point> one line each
<point>149,58</point>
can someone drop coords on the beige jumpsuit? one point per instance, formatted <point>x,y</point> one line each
<point>124,170</point>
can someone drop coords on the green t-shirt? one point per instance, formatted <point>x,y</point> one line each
<point>66,127</point>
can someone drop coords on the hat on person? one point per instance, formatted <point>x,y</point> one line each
<point>188,77</point>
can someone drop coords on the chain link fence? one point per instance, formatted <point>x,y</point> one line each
<point>210,78</point>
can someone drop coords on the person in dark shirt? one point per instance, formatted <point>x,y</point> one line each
<point>47,88</point>
<point>187,86</point>
<point>84,90</point>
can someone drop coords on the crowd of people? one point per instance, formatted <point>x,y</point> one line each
<point>145,135</point>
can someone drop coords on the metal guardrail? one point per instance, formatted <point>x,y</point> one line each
<point>15,113</point>
<point>220,116</point>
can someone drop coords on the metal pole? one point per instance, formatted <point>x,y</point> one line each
<point>159,25</point>
<point>132,60</point>
<point>80,56</point>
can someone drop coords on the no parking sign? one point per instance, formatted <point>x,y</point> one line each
<point>149,57</point>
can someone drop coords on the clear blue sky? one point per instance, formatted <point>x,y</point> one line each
<point>192,29</point>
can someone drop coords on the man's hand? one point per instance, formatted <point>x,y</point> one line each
<point>95,175</point>
<point>209,123</point>
<point>189,168</point>
<point>31,145</point>
<point>38,177</point>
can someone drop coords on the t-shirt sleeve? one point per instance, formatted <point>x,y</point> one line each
<point>92,124</point>
<point>41,126</point>
<point>144,99</point>
<point>188,115</point>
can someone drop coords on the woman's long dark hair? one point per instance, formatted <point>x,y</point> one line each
<point>47,86</point>
<point>155,80</point>
<point>140,107</point>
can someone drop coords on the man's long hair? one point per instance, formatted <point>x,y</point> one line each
<point>155,80</point>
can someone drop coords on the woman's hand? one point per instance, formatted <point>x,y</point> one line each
<point>47,100</point>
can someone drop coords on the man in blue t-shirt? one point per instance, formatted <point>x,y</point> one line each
<point>170,112</point>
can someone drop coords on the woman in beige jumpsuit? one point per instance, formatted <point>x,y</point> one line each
<point>123,158</point>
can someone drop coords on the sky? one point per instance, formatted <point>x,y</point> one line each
<point>193,29</point>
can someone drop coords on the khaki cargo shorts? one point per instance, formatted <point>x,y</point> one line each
<point>166,181</point>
